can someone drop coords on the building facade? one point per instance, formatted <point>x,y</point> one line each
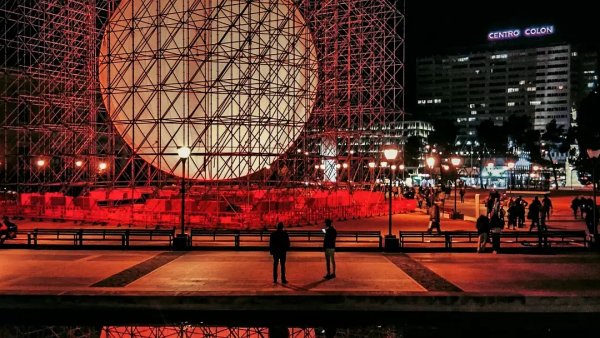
<point>544,82</point>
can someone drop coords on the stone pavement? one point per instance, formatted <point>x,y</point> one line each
<point>113,283</point>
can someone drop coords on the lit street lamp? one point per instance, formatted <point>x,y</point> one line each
<point>511,166</point>
<point>593,154</point>
<point>372,172</point>
<point>455,162</point>
<point>430,163</point>
<point>181,241</point>
<point>401,167</point>
<point>391,242</point>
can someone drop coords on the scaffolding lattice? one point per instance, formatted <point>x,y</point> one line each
<point>264,113</point>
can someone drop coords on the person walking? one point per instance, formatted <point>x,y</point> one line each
<point>520,205</point>
<point>462,193</point>
<point>534,214</point>
<point>279,244</point>
<point>483,229</point>
<point>546,211</point>
<point>434,218</point>
<point>329,247</point>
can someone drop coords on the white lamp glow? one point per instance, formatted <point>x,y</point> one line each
<point>184,152</point>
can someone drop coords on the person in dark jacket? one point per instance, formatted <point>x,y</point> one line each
<point>279,244</point>
<point>8,230</point>
<point>534,214</point>
<point>329,247</point>
<point>434,218</point>
<point>483,230</point>
<point>575,206</point>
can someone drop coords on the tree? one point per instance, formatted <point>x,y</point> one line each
<point>412,149</point>
<point>443,136</point>
<point>519,129</point>
<point>588,120</point>
<point>492,137</point>
<point>556,141</point>
<point>587,132</point>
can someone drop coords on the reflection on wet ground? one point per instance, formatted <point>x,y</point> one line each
<point>482,330</point>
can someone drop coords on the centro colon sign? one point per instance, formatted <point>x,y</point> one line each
<point>516,33</point>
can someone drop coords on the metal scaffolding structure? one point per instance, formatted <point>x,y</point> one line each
<point>48,94</point>
<point>278,97</point>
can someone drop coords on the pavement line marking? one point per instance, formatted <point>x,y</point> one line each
<point>428,279</point>
<point>139,270</point>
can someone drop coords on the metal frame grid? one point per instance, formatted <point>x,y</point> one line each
<point>48,105</point>
<point>51,104</point>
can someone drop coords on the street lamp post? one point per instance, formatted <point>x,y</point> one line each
<point>181,241</point>
<point>534,175</point>
<point>511,166</point>
<point>430,163</point>
<point>401,167</point>
<point>593,154</point>
<point>391,242</point>
<point>455,162</point>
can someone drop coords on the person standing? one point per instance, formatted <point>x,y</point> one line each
<point>496,225</point>
<point>546,211</point>
<point>575,206</point>
<point>329,247</point>
<point>534,214</point>
<point>483,229</point>
<point>279,244</point>
<point>462,194</point>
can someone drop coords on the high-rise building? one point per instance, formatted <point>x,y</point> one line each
<point>541,79</point>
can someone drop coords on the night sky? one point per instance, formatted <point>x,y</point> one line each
<point>433,27</point>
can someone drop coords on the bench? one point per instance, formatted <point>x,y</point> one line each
<point>421,237</point>
<point>149,235</point>
<point>104,235</point>
<point>547,238</point>
<point>568,236</point>
<point>70,235</point>
<point>78,236</point>
<point>295,235</point>
<point>542,239</point>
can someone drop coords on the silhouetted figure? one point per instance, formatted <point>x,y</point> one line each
<point>589,220</point>
<point>545,211</point>
<point>279,332</point>
<point>329,247</point>
<point>512,214</point>
<point>279,244</point>
<point>496,225</point>
<point>534,214</point>
<point>483,230</point>
<point>463,191</point>
<point>8,230</point>
<point>520,205</point>
<point>575,206</point>
<point>434,218</point>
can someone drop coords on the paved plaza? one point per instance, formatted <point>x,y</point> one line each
<point>157,286</point>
